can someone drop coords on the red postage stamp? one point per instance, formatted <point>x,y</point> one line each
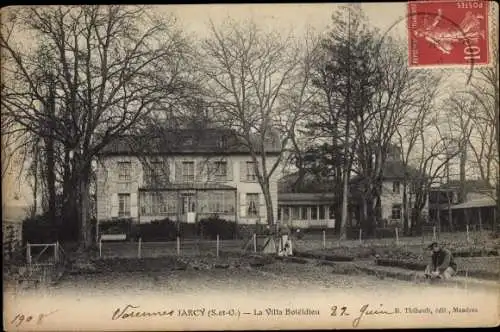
<point>444,32</point>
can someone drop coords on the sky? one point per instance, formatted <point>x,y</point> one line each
<point>285,17</point>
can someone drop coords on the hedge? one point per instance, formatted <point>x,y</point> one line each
<point>168,230</point>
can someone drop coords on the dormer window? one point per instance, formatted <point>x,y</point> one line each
<point>222,142</point>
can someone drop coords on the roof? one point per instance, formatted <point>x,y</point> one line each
<point>477,203</point>
<point>311,184</point>
<point>395,170</point>
<point>190,186</point>
<point>469,185</point>
<point>185,141</point>
<point>305,198</point>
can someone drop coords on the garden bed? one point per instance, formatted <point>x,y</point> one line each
<point>478,267</point>
<point>324,255</point>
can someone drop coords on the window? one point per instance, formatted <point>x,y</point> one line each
<point>321,212</point>
<point>396,186</point>
<point>314,213</point>
<point>155,173</point>
<point>124,170</point>
<point>188,171</point>
<point>251,176</point>
<point>304,215</point>
<point>396,212</point>
<point>123,205</point>
<point>222,142</point>
<point>280,212</point>
<point>158,203</point>
<point>286,213</point>
<point>220,170</point>
<point>296,212</point>
<point>331,212</point>
<point>253,205</point>
<point>217,202</point>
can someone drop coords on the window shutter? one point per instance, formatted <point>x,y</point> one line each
<point>229,170</point>
<point>133,205</point>
<point>243,171</point>
<point>178,171</point>
<point>165,176</point>
<point>114,205</point>
<point>243,205</point>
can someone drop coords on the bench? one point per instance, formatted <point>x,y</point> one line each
<point>113,237</point>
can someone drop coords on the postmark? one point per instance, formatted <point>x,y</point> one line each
<point>448,33</point>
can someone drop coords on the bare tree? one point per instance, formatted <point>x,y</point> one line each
<point>485,119</point>
<point>408,139</point>
<point>109,65</point>
<point>258,81</point>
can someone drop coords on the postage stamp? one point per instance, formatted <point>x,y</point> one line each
<point>442,32</point>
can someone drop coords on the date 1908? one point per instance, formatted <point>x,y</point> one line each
<point>20,319</point>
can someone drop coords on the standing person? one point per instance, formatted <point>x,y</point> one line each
<point>442,265</point>
<point>285,241</point>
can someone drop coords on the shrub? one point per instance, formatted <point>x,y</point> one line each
<point>39,229</point>
<point>115,226</point>
<point>214,225</point>
<point>157,230</point>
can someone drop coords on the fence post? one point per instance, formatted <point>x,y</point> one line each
<point>100,247</point>
<point>178,246</point>
<point>397,236</point>
<point>360,236</point>
<point>217,245</point>
<point>139,248</point>
<point>254,242</point>
<point>467,229</point>
<point>324,239</point>
<point>56,252</point>
<point>28,253</point>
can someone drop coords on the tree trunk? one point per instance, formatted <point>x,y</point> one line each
<point>69,222</point>
<point>85,227</point>
<point>49,148</point>
<point>364,212</point>
<point>345,197</point>
<point>51,180</point>
<point>269,203</point>
<point>406,209</point>
<point>35,185</point>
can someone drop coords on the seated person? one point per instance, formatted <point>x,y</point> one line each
<point>442,264</point>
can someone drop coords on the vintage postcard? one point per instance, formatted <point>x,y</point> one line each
<point>250,166</point>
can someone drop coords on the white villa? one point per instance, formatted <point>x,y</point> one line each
<point>184,176</point>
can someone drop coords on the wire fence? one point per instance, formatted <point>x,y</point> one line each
<point>327,239</point>
<point>323,240</point>
<point>180,247</point>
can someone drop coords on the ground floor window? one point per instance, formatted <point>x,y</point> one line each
<point>123,205</point>
<point>216,202</point>
<point>314,212</point>
<point>331,212</point>
<point>285,213</point>
<point>252,205</point>
<point>322,212</point>
<point>158,203</point>
<point>296,212</point>
<point>396,211</point>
